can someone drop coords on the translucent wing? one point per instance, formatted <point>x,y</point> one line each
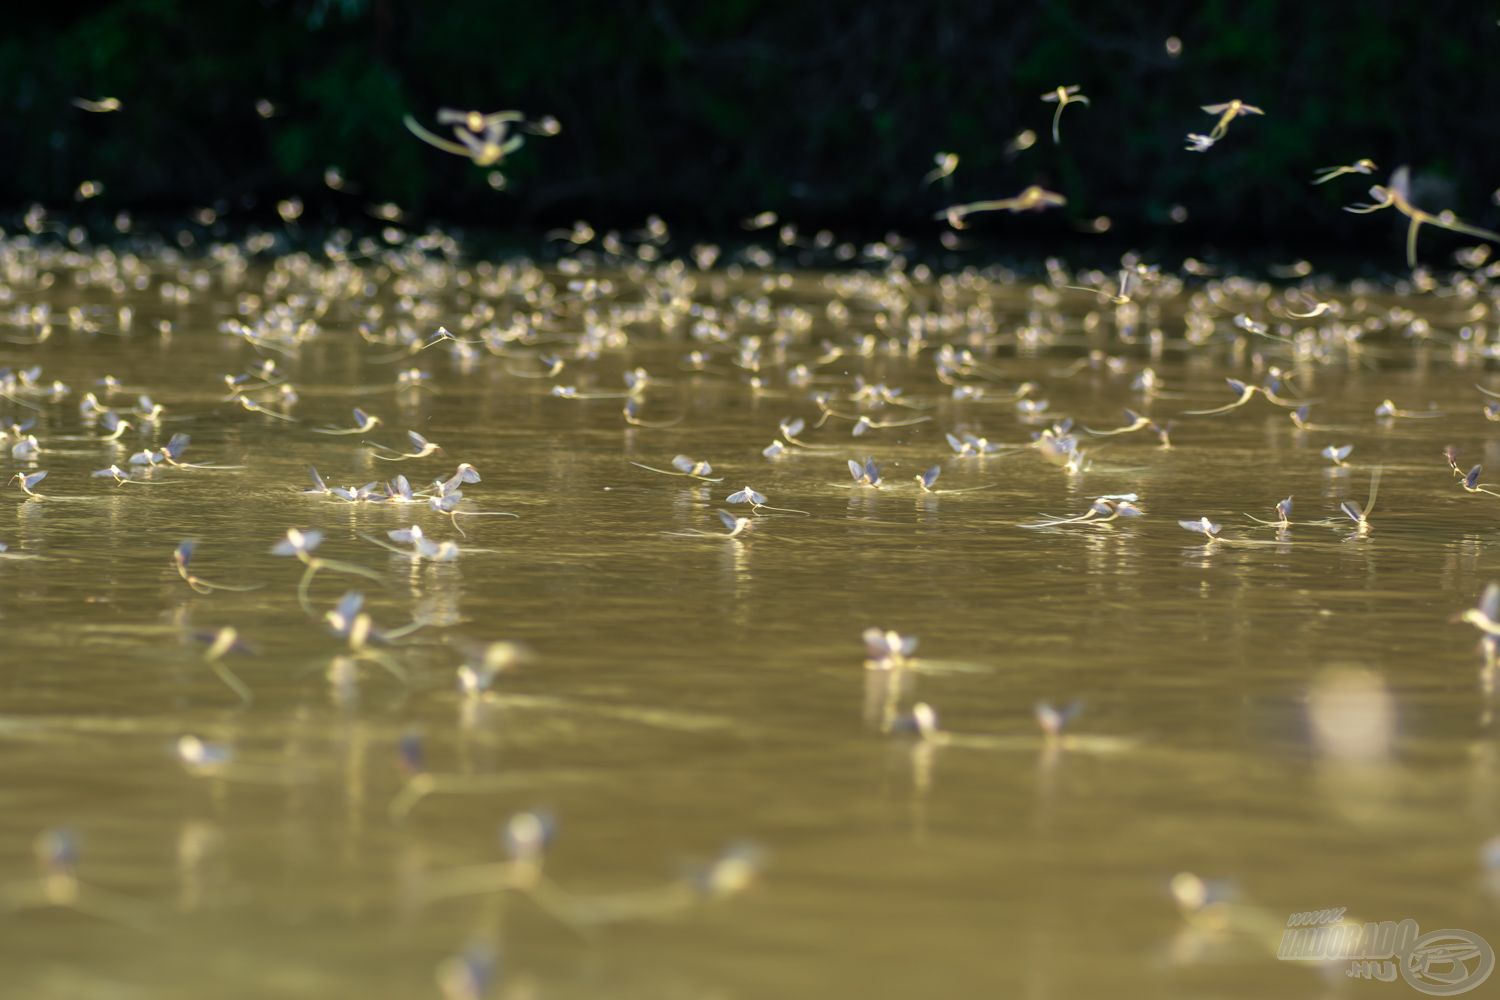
<point>1489,604</point>
<point>350,604</point>
<point>1284,509</point>
<point>317,480</point>
<point>177,445</point>
<point>931,476</point>
<point>296,541</point>
<point>791,428</point>
<point>1352,511</point>
<point>184,553</point>
<point>856,470</point>
<point>1053,719</point>
<point>1472,479</point>
<point>1400,183</point>
<point>682,463</point>
<point>739,496</point>
<point>730,521</point>
<point>418,441</point>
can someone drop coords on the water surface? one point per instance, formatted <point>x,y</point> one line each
<point>688,690</point>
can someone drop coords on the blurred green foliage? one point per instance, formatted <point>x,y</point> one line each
<point>829,113</point>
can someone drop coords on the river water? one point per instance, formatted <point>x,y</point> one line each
<point>1290,715</point>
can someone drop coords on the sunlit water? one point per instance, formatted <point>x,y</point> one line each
<point>690,691</point>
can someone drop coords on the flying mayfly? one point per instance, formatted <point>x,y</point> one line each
<point>1397,194</point>
<point>482,137</point>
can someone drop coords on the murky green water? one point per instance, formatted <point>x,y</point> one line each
<point>1292,713</point>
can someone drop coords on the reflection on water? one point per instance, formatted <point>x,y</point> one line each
<point>1118,758</point>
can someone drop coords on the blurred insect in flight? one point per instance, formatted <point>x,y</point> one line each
<point>1062,97</point>
<point>1397,194</point>
<point>481,137</point>
<point>1326,174</point>
<point>1033,199</point>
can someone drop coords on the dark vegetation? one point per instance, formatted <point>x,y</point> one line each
<point>827,112</point>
